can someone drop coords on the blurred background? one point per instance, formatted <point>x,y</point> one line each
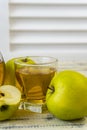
<point>55,28</point>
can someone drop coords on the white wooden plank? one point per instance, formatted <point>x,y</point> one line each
<point>48,11</point>
<point>43,24</point>
<point>63,52</point>
<point>48,1</point>
<point>48,37</point>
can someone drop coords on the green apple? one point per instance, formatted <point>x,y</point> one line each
<point>10,98</point>
<point>10,69</point>
<point>66,97</point>
<point>25,60</point>
<point>9,72</point>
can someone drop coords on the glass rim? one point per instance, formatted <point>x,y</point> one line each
<point>54,60</point>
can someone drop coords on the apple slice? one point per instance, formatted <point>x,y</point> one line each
<point>10,98</point>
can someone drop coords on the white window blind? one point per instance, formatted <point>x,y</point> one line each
<point>50,26</point>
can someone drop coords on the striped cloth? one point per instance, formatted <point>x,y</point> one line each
<point>25,120</point>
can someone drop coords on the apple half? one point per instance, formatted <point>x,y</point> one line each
<point>10,98</point>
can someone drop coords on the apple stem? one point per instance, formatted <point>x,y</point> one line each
<point>51,88</point>
<point>24,60</point>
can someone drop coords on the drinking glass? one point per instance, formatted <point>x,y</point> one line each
<point>33,80</point>
<point>2,69</point>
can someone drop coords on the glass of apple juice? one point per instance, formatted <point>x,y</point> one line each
<point>2,69</point>
<point>33,78</point>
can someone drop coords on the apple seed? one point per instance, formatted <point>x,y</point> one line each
<point>2,94</point>
<point>4,107</point>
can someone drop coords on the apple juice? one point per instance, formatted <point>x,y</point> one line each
<point>33,82</point>
<point>2,69</point>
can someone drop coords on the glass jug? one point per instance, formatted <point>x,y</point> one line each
<point>2,69</point>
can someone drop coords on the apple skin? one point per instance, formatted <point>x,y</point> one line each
<point>9,112</point>
<point>66,96</point>
<point>10,69</point>
<point>9,72</point>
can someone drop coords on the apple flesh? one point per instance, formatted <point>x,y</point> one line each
<point>66,96</point>
<point>10,98</point>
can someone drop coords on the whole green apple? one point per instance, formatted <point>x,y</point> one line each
<point>66,96</point>
<point>9,72</point>
<point>10,69</point>
<point>10,98</point>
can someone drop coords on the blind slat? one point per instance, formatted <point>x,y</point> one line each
<point>48,11</point>
<point>55,24</point>
<point>48,37</point>
<point>48,1</point>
